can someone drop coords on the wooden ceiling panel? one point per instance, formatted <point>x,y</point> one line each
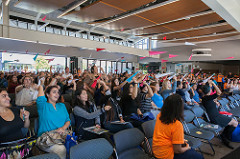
<point>185,24</point>
<point>43,6</point>
<point>126,4</point>
<point>127,23</point>
<point>174,10</point>
<point>96,11</point>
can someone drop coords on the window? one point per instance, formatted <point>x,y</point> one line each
<point>109,66</point>
<point>98,65</point>
<point>113,67</point>
<point>22,25</point>
<point>119,67</point>
<point>129,67</point>
<point>103,65</point>
<point>84,64</point>
<point>124,67</point>
<point>49,29</point>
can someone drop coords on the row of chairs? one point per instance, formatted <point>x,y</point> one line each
<point>231,105</point>
<point>127,146</point>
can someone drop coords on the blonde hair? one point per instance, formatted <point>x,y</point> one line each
<point>165,85</point>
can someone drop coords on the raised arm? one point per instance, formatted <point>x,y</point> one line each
<point>150,91</point>
<point>120,86</point>
<point>135,89</point>
<point>40,91</point>
<point>215,87</point>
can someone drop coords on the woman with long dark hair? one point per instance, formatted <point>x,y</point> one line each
<point>12,120</point>
<point>86,113</point>
<point>116,89</point>
<point>168,136</point>
<point>12,84</point>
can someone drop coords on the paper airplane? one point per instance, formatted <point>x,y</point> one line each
<point>230,58</point>
<point>162,75</point>
<point>178,64</point>
<point>184,77</point>
<point>164,60</point>
<point>35,57</point>
<point>156,52</point>
<point>143,57</point>
<point>164,38</point>
<point>100,49</point>
<point>44,18</point>
<point>205,81</point>
<point>187,43</point>
<point>130,78</point>
<point>7,61</point>
<point>169,78</point>
<point>190,57</point>
<point>16,60</point>
<point>49,60</point>
<point>171,55</point>
<point>47,52</point>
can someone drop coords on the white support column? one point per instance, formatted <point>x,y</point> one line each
<point>5,17</point>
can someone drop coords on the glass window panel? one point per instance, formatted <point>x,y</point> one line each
<point>98,65</point>
<point>90,62</point>
<point>22,25</point>
<point>84,64</point>
<point>49,30</point>
<point>130,67</point>
<point>119,67</point>
<point>124,67</point>
<point>108,66</point>
<point>113,67</point>
<point>103,65</point>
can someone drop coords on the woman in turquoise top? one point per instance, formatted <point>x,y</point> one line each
<point>52,116</point>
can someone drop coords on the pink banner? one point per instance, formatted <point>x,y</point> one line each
<point>156,52</point>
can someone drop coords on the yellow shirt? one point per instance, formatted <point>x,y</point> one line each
<point>165,136</point>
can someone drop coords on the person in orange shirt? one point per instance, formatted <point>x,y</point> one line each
<point>168,136</point>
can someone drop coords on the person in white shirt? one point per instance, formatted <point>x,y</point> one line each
<point>67,74</point>
<point>26,94</point>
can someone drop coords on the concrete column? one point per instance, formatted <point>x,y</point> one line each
<point>5,16</point>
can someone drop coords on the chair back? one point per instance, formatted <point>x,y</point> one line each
<point>198,111</point>
<point>97,148</point>
<point>128,139</point>
<point>188,116</point>
<point>148,128</point>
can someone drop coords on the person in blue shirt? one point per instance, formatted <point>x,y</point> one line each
<point>52,116</point>
<point>3,81</point>
<point>196,96</point>
<point>156,98</point>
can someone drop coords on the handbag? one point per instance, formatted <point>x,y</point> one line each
<point>51,138</point>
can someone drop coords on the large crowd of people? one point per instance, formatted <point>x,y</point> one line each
<point>100,99</point>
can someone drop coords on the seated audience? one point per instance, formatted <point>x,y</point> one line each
<point>167,88</point>
<point>3,81</point>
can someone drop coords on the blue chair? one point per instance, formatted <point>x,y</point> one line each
<point>91,149</point>
<point>46,156</point>
<point>148,129</point>
<point>198,121</point>
<point>127,144</point>
<point>194,131</point>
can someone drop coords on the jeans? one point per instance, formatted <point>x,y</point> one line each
<point>114,128</point>
<point>189,154</point>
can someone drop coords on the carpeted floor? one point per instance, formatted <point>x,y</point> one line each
<point>222,152</point>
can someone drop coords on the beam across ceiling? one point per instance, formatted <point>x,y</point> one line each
<point>185,30</point>
<point>196,37</point>
<point>72,8</point>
